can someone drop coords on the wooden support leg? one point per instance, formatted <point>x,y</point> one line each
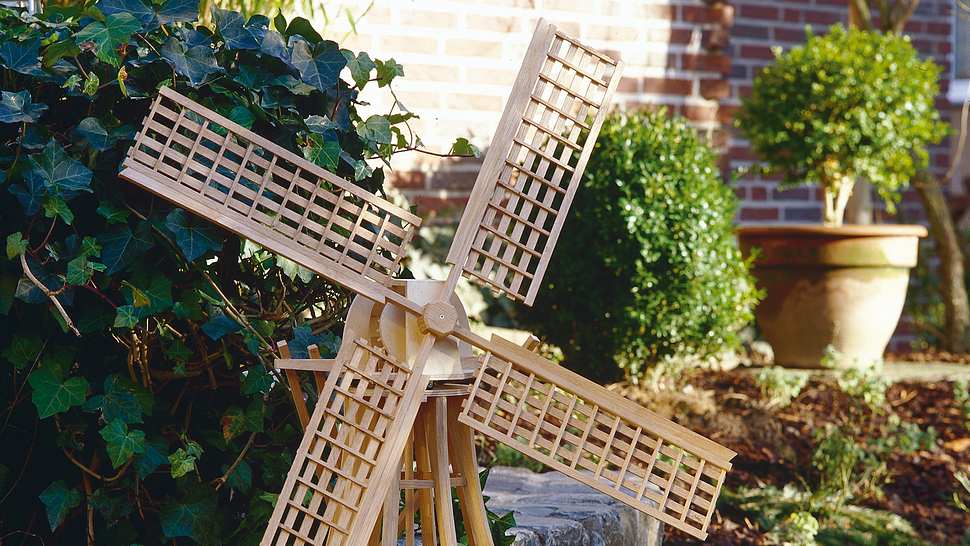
<point>392,503</point>
<point>422,458</point>
<point>437,434</point>
<point>461,442</point>
<point>409,501</point>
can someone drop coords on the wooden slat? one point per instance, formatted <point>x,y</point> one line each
<point>537,127</point>
<point>357,243</point>
<point>622,447</point>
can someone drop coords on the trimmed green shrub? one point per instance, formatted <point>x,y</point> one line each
<point>848,105</point>
<point>647,266</point>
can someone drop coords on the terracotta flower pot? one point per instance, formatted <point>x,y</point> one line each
<point>830,286</point>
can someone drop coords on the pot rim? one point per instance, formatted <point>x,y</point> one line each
<point>819,230</point>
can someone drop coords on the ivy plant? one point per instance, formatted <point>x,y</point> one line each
<point>136,341</point>
<point>848,105</point>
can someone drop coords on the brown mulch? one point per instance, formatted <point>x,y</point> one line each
<point>929,355</point>
<point>775,447</point>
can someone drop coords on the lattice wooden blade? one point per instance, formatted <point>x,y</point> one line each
<point>350,451</point>
<point>596,437</point>
<point>206,163</point>
<point>534,164</point>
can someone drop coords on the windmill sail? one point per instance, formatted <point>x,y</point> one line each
<point>534,164</point>
<point>206,163</point>
<point>596,436</point>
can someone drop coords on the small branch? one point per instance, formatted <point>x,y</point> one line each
<point>40,286</point>
<point>94,474</point>
<point>221,480</point>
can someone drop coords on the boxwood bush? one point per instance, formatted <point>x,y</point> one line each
<point>647,266</point>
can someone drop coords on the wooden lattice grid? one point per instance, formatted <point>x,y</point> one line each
<point>350,439</point>
<point>535,164</point>
<point>597,437</point>
<point>203,161</point>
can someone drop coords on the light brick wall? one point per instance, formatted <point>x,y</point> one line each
<point>461,57</point>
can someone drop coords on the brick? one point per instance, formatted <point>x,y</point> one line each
<point>715,39</point>
<point>419,99</point>
<point>740,193</point>
<point>490,76</point>
<point>439,208</point>
<point>757,52</point>
<point>726,113</point>
<point>750,31</point>
<point>706,62</point>
<point>941,30</point>
<point>407,179</point>
<point>628,85</point>
<point>718,139</point>
<point>793,35</point>
<point>667,86</point>
<point>913,27</point>
<point>803,214</point>
<point>821,17</point>
<point>653,11</point>
<point>421,18</point>
<point>759,214</point>
<point>741,153</point>
<point>431,72</point>
<point>700,113</point>
<point>738,72</point>
<point>715,89</point>
<point>792,15</point>
<point>792,194</point>
<point>453,180</point>
<point>466,101</point>
<point>759,12</point>
<point>721,14</point>
<point>473,48</point>
<point>409,44</point>
<point>759,193</point>
<point>493,23</point>
<point>613,33</point>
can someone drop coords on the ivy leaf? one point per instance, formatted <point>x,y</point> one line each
<point>23,350</point>
<point>59,499</point>
<point>242,115</point>
<point>91,83</point>
<point>183,460</point>
<point>22,57</point>
<point>256,380</point>
<point>300,26</point>
<point>126,316</point>
<point>112,213</point>
<point>220,325</point>
<point>178,11</point>
<point>144,14</point>
<point>150,293</point>
<point>112,505</point>
<point>58,50</point>
<point>107,37</point>
<point>16,245</point>
<point>118,403</point>
<point>241,478</point>
<point>121,442</point>
<point>30,194</point>
<point>90,131</point>
<point>360,66</point>
<point>153,457</point>
<point>122,246</point>
<point>192,236</point>
<point>463,147</point>
<point>59,173</point>
<point>319,65</point>
<point>81,269</point>
<point>196,63</point>
<point>18,107</point>
<point>56,207</point>
<point>52,395</point>
<point>233,423</point>
<point>387,71</point>
<point>323,153</point>
<point>376,128</point>
<point>187,519</point>
<point>322,125</point>
<point>237,33</point>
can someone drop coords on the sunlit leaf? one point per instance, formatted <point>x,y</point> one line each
<point>17,108</point>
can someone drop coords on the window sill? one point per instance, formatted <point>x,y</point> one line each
<point>959,91</point>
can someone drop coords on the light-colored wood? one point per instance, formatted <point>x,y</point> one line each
<point>534,164</point>
<point>437,435</point>
<point>461,445</point>
<point>422,457</point>
<point>595,436</point>
<point>269,195</point>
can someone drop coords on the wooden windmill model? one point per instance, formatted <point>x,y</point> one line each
<point>402,335</point>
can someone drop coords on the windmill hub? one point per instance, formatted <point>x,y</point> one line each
<point>438,318</point>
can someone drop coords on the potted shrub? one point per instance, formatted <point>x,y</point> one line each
<point>846,106</point>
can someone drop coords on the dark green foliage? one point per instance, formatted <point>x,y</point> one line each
<point>647,266</point>
<point>851,103</point>
<point>164,416</point>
